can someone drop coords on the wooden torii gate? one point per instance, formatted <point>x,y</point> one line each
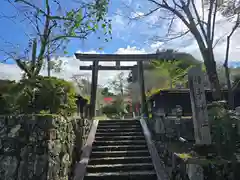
<point>96,58</point>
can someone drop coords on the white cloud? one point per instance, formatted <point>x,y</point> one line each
<point>10,71</point>
<point>136,14</point>
<point>120,26</point>
<point>130,50</point>
<point>156,45</point>
<point>71,67</point>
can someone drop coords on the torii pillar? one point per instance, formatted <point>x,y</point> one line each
<point>144,107</point>
<point>94,89</point>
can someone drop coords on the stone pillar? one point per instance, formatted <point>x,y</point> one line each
<point>159,117</point>
<point>178,113</point>
<point>199,106</point>
<point>200,117</point>
<point>159,121</point>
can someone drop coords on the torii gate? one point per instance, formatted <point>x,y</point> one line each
<point>96,58</point>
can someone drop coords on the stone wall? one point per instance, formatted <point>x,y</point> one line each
<point>167,126</point>
<point>40,147</point>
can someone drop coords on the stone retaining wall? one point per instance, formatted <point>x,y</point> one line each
<point>40,147</point>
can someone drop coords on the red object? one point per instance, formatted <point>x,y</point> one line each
<point>107,99</point>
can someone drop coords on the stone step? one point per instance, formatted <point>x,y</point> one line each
<point>119,148</point>
<point>118,134</point>
<point>119,122</point>
<point>117,142</point>
<point>98,154</point>
<point>120,130</point>
<point>119,167</point>
<point>120,160</point>
<point>115,126</point>
<point>133,175</point>
<point>119,137</point>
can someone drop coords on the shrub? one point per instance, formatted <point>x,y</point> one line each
<point>109,110</point>
<point>224,124</point>
<point>6,106</point>
<point>42,95</point>
<point>116,108</point>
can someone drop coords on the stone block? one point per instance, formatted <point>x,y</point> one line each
<point>45,145</point>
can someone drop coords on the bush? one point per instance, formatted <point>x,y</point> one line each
<point>224,124</point>
<point>109,110</point>
<point>6,105</point>
<point>116,108</point>
<point>48,95</point>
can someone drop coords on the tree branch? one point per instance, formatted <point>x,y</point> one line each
<point>157,38</point>
<point>42,11</point>
<point>214,21</point>
<point>174,11</point>
<point>209,22</point>
<point>34,55</point>
<point>199,20</point>
<point>44,40</point>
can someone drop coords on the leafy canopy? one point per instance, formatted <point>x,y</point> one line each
<point>42,95</point>
<point>53,29</point>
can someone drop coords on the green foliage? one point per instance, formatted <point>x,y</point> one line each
<point>105,92</point>
<point>54,30</point>
<point>5,105</point>
<point>175,70</point>
<point>42,95</point>
<point>89,18</point>
<point>116,108</point>
<point>224,124</point>
<point>109,110</point>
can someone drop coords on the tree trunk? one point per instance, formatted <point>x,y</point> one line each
<point>211,69</point>
<point>229,86</point>
<point>227,75</point>
<point>48,62</point>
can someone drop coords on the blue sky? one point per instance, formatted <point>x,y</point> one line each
<point>128,36</point>
<point>13,31</point>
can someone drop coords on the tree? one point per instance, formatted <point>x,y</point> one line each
<point>167,55</point>
<point>116,108</point>
<point>83,83</point>
<point>119,83</point>
<point>233,12</point>
<point>201,26</point>
<point>175,70</point>
<point>164,73</point>
<point>105,92</point>
<point>53,29</point>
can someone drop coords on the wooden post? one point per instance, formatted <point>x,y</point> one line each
<point>199,106</point>
<point>93,88</point>
<point>144,108</point>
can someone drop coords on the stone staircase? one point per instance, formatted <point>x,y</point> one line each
<point>128,116</point>
<point>120,152</point>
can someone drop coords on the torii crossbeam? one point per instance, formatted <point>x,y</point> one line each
<point>139,58</point>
